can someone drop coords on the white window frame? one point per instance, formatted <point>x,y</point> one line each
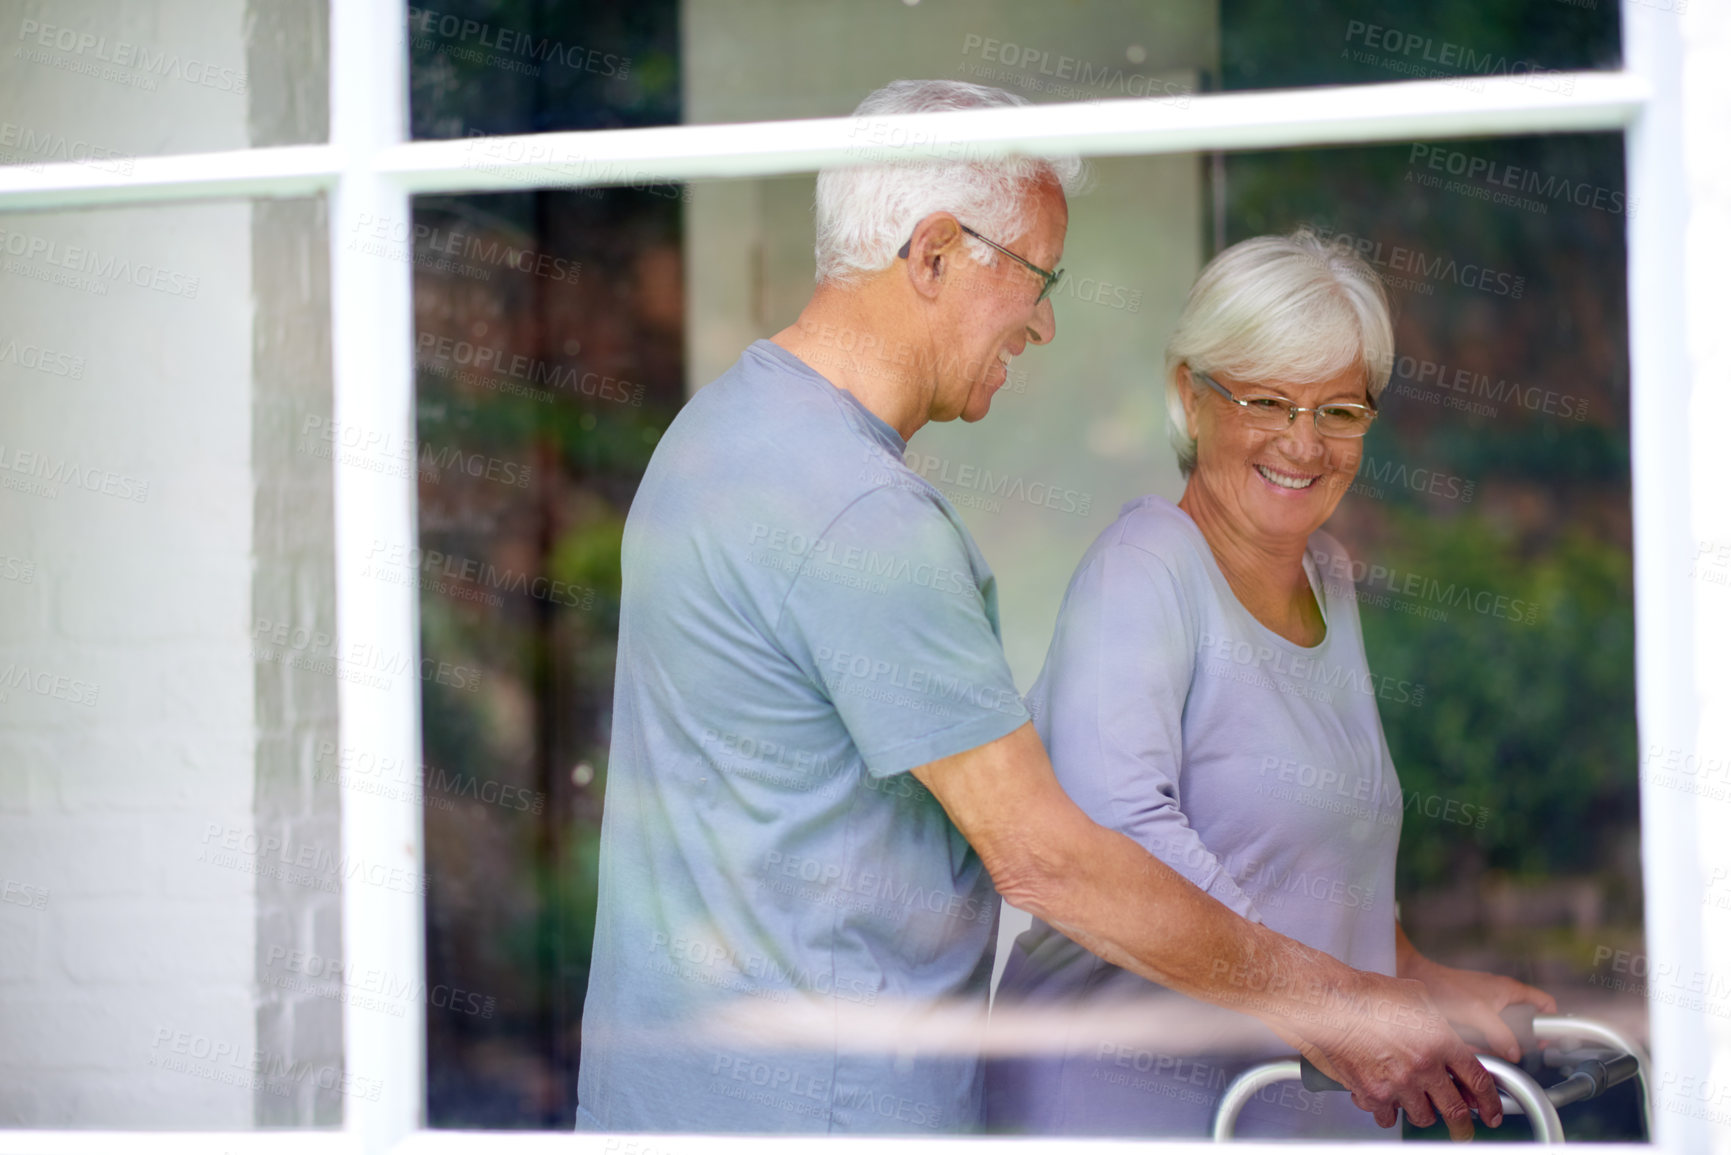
<point>370,167</point>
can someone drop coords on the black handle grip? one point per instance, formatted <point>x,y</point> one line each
<point>1315,1080</point>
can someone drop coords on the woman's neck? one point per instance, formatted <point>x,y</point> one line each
<point>1266,575</point>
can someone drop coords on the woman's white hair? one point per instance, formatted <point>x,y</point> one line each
<point>1279,309</point>
<point>864,213</point>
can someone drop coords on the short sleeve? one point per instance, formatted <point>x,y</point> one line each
<point>893,617</point>
<point>1110,707</point>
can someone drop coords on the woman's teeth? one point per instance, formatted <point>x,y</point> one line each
<point>1284,481</point>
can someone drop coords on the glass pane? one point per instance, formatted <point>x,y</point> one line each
<point>170,860</point>
<point>1267,44</point>
<point>1489,528</point>
<point>549,358</point>
<point>511,66</point>
<point>98,81</point>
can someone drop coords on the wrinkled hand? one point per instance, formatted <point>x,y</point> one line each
<point>1472,1001</point>
<point>1391,1046</point>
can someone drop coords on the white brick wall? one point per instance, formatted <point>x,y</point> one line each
<point>293,581</point>
<point>142,606</point>
<point>132,944</point>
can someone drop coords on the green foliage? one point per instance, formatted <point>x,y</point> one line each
<point>1533,721</point>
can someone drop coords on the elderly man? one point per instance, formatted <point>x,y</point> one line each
<point>822,776</point>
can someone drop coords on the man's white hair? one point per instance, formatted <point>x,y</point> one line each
<point>865,213</point>
<point>1279,309</point>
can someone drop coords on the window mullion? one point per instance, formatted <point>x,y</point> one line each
<point>373,410</point>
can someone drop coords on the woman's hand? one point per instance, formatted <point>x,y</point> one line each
<point>1471,1000</point>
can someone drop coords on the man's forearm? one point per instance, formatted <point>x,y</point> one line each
<point>1380,1036</point>
<point>1113,897</point>
<point>1105,891</point>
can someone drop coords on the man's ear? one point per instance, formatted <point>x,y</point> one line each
<point>934,243</point>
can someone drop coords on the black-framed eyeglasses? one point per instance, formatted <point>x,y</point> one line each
<point>1049,280</point>
<point>1272,412</point>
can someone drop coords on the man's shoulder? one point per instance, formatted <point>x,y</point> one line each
<point>770,408</point>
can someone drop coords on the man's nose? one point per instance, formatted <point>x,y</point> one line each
<point>1045,324</point>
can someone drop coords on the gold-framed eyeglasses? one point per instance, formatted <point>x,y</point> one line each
<point>1272,412</point>
<point>1048,279</point>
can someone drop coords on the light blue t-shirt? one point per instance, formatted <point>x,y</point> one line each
<point>1256,768</point>
<point>792,935</point>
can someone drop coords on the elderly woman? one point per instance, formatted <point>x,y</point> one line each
<point>1206,693</point>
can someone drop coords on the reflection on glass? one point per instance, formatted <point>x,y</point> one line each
<point>1489,524</point>
<point>1267,44</point>
<point>549,357</point>
<point>511,66</point>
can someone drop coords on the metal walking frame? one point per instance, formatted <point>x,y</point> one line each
<point>1588,1073</point>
